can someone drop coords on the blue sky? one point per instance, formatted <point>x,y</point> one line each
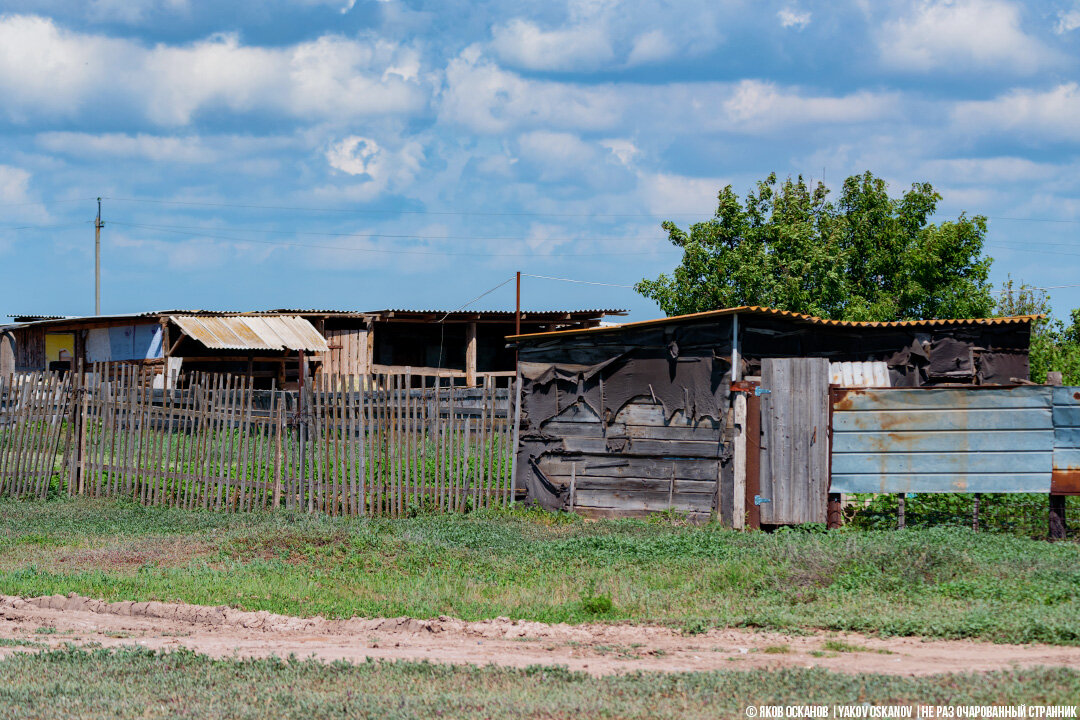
<point>362,154</point>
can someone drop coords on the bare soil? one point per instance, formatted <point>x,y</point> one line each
<point>30,624</point>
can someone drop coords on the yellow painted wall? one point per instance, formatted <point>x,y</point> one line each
<point>55,343</point>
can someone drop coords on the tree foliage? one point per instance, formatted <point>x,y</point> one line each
<point>1055,345</point>
<point>866,256</point>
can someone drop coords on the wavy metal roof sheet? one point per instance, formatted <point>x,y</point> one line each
<point>773,312</point>
<point>286,332</point>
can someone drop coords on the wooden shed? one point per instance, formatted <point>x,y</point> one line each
<point>724,413</point>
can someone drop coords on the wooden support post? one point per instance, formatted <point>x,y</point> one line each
<point>738,497</point>
<point>573,485</point>
<point>1057,517</point>
<point>900,511</point>
<point>514,437</point>
<point>975,512</point>
<point>753,460</point>
<point>470,354</point>
<point>835,514</point>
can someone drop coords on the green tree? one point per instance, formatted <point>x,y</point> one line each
<point>1055,346</point>
<point>868,256</point>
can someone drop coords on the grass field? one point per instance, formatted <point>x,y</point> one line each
<point>141,684</point>
<point>531,565</point>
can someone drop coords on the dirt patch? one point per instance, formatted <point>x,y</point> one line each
<point>599,649</point>
<point>131,554</point>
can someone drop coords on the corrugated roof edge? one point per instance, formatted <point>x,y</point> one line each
<point>774,312</point>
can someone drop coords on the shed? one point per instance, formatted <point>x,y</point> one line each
<point>667,414</point>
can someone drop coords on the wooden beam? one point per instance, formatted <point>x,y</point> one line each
<point>470,354</point>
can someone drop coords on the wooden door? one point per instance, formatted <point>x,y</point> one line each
<point>794,477</point>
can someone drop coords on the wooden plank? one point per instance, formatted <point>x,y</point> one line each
<point>644,500</point>
<point>738,509</point>
<point>956,419</point>
<point>983,461</point>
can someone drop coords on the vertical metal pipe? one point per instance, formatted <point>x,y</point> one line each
<point>97,260</point>
<point>735,347</point>
<point>517,310</point>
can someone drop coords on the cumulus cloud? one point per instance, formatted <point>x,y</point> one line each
<point>524,44</point>
<point>760,106</point>
<point>14,184</point>
<point>47,71</point>
<point>182,149</point>
<point>483,96</point>
<point>649,47</point>
<point>1068,20</point>
<point>378,170</point>
<point>964,34</point>
<point>792,18</point>
<point>1047,115</point>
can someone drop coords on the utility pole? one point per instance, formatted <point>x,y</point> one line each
<point>97,260</point>
<point>517,311</point>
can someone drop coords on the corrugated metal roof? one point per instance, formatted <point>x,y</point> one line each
<point>287,332</point>
<point>773,312</point>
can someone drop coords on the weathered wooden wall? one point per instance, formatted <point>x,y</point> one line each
<point>7,354</point>
<point>638,464</point>
<point>350,352</point>
<point>29,349</point>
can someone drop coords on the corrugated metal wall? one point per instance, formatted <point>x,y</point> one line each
<point>943,440</point>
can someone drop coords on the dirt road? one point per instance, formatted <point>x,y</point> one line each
<point>598,649</point>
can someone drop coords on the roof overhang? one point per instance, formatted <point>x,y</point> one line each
<point>755,310</point>
<point>283,332</point>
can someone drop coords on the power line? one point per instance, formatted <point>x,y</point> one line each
<point>478,297</point>
<point>439,253</point>
<point>354,211</point>
<point>582,282</point>
<point>377,235</point>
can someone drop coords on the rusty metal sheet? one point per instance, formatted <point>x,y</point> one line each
<point>942,440</point>
<point>252,332</point>
<point>1066,477</point>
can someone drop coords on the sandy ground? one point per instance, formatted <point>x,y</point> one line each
<point>597,649</point>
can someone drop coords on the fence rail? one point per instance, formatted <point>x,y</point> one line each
<point>386,445</point>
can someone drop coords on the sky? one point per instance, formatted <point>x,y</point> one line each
<point>363,154</point>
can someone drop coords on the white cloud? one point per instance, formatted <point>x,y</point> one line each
<point>483,96</point>
<point>524,44</point>
<point>131,11</point>
<point>379,170</point>
<point>48,71</point>
<point>761,106</point>
<point>1026,114</point>
<point>649,47</point>
<point>14,185</point>
<point>120,145</point>
<point>678,194</point>
<point>623,150</point>
<point>961,34</point>
<point>792,18</point>
<point>1068,20</point>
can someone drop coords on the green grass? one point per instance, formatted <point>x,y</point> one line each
<point>552,568</point>
<point>138,683</point>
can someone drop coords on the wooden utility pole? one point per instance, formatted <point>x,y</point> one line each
<point>97,260</point>
<point>517,310</point>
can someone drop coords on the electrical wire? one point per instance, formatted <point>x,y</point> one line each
<point>354,211</point>
<point>582,282</point>
<point>377,235</point>
<point>438,253</point>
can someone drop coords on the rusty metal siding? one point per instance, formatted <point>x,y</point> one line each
<point>1066,477</point>
<point>943,440</point>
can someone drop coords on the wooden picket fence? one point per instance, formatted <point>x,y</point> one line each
<point>379,445</point>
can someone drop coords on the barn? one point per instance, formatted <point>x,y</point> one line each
<point>725,413</point>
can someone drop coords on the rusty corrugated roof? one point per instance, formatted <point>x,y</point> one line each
<point>773,312</point>
<point>287,332</point>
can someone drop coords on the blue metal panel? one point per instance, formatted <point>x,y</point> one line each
<point>943,440</point>
<point>1066,429</point>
